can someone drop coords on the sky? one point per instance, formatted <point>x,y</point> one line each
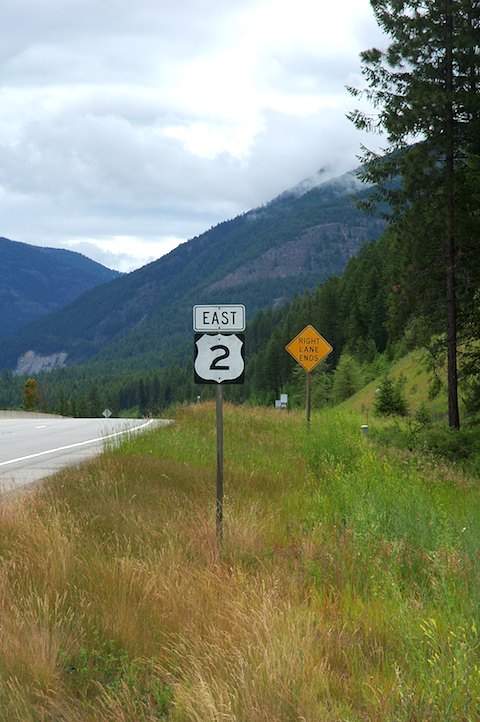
<point>128,127</point>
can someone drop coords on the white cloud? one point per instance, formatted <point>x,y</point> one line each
<point>127,127</point>
<point>116,252</point>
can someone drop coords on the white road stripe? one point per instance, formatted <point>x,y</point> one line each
<point>72,446</point>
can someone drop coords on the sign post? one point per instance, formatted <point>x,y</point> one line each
<point>308,348</point>
<point>219,504</point>
<point>219,358</point>
<point>308,401</point>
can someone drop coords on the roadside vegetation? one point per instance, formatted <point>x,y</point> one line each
<point>347,588</point>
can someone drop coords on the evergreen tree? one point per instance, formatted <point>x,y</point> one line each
<point>347,378</point>
<point>30,395</point>
<point>390,398</point>
<point>94,403</point>
<point>142,398</point>
<point>424,86</point>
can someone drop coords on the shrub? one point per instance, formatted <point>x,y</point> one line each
<point>451,444</point>
<point>423,416</point>
<point>471,397</point>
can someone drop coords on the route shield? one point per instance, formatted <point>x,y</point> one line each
<point>219,358</point>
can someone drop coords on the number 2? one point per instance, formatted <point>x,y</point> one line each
<point>214,366</point>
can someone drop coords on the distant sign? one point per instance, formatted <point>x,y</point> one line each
<point>107,413</point>
<point>227,318</point>
<point>308,348</point>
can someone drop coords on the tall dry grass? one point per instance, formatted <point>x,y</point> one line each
<point>347,588</point>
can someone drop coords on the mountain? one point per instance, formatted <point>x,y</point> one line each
<point>260,259</point>
<point>35,281</point>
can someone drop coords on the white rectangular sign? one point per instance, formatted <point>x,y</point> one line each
<point>227,318</point>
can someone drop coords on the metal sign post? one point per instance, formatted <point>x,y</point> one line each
<point>309,398</point>
<point>219,506</point>
<point>219,358</point>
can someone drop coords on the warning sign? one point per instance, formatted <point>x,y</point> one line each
<point>309,348</point>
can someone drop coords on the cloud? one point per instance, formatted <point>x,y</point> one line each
<point>116,252</point>
<point>151,121</point>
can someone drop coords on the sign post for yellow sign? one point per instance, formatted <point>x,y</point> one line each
<point>308,348</point>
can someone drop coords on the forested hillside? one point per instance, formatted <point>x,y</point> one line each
<point>380,307</point>
<point>384,304</point>
<point>35,281</point>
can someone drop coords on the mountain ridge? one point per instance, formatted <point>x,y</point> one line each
<point>36,280</point>
<point>145,316</point>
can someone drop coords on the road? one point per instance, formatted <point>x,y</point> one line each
<point>32,448</point>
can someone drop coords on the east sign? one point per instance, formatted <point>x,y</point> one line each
<point>227,318</point>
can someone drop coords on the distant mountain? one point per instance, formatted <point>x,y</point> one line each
<point>346,183</point>
<point>35,281</point>
<point>260,258</point>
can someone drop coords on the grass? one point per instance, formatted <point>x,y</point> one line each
<point>347,589</point>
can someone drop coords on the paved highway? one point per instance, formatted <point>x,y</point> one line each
<point>32,448</point>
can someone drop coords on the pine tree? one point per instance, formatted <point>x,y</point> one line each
<point>424,87</point>
<point>347,378</point>
<point>30,395</point>
<point>94,402</point>
<point>390,398</point>
<point>142,398</point>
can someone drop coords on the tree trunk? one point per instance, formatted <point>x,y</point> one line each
<point>453,412</point>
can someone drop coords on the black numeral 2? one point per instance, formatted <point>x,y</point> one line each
<point>226,353</point>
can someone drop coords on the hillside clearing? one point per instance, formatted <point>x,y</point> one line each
<point>413,368</point>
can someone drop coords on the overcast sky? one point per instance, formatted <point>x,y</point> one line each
<point>129,126</point>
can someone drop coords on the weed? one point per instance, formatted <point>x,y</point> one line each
<point>105,667</point>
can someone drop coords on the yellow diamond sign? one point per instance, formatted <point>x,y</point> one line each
<point>309,348</point>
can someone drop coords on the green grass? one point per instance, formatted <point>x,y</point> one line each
<point>418,378</point>
<point>347,588</point>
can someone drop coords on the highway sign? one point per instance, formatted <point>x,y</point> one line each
<point>308,348</point>
<point>227,318</point>
<point>219,358</point>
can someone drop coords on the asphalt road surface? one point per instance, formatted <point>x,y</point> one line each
<point>32,448</point>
